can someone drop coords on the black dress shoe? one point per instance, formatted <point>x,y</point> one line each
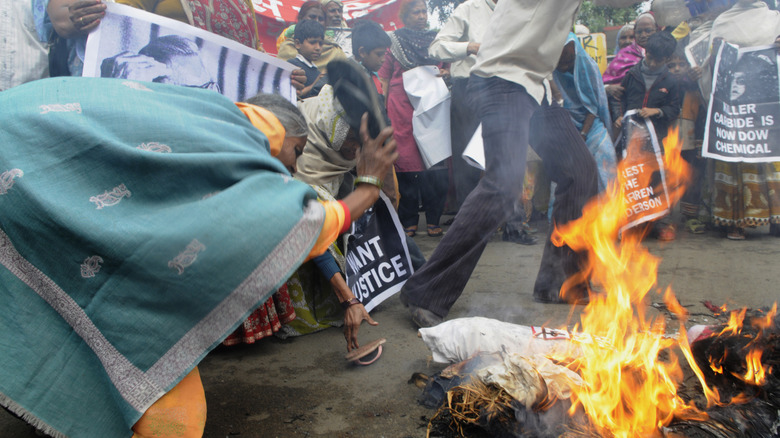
<point>424,317</point>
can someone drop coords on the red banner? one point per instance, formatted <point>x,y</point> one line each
<point>273,16</point>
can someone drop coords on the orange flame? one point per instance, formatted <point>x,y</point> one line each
<point>628,390</point>
<point>765,322</point>
<point>716,365</point>
<point>734,326</point>
<point>756,372</point>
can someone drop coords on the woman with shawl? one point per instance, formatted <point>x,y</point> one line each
<point>409,49</point>
<point>311,10</point>
<point>624,38</point>
<point>317,288</point>
<point>626,58</point>
<point>167,220</point>
<point>746,194</point>
<point>579,81</point>
<point>291,133</point>
<point>332,13</point>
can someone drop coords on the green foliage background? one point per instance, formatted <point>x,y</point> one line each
<point>595,17</point>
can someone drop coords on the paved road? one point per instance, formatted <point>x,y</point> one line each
<point>304,388</point>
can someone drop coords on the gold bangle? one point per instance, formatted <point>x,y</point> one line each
<point>368,179</point>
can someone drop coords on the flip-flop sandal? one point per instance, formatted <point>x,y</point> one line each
<point>435,231</point>
<point>736,234</point>
<point>357,354</point>
<point>411,231</point>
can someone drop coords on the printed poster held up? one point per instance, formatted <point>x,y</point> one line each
<point>641,171</point>
<point>378,262</point>
<point>742,119</point>
<point>138,45</point>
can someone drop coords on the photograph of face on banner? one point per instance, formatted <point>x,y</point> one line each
<point>641,171</point>
<point>745,106</point>
<point>153,48</point>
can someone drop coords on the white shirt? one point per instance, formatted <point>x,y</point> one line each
<point>304,60</point>
<point>22,57</point>
<point>525,38</point>
<point>468,23</point>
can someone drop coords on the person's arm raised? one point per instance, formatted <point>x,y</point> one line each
<point>375,157</point>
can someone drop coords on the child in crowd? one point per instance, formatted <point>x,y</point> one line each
<point>369,45</point>
<point>690,126</point>
<point>308,37</point>
<point>651,88</point>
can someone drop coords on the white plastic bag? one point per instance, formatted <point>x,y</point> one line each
<point>458,339</point>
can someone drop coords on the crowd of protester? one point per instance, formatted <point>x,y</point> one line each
<point>559,103</point>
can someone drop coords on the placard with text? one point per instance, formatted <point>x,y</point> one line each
<point>378,262</point>
<point>744,110</point>
<point>641,171</point>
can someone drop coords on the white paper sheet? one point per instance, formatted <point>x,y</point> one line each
<point>430,99</point>
<point>474,154</point>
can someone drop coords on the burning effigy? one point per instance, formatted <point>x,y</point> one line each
<point>618,372</point>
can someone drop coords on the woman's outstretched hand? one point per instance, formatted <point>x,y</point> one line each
<point>353,317</point>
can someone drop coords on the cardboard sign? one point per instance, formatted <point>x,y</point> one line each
<point>596,46</point>
<point>641,171</point>
<point>744,111</point>
<point>378,262</point>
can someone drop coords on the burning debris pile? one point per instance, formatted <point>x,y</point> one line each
<point>618,374</point>
<point>740,361</point>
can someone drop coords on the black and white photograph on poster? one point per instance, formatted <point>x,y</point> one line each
<point>138,45</point>
<point>744,107</point>
<point>378,262</point>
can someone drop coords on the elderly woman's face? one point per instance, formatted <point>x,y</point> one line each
<point>626,38</point>
<point>334,14</point>
<point>417,18</point>
<point>642,31</point>
<point>292,148</point>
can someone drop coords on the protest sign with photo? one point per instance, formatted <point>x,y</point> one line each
<point>138,45</point>
<point>378,262</point>
<point>744,107</point>
<point>641,171</point>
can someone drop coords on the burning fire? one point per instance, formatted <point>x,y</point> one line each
<point>627,362</point>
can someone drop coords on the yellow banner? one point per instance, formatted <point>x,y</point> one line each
<point>596,46</point>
